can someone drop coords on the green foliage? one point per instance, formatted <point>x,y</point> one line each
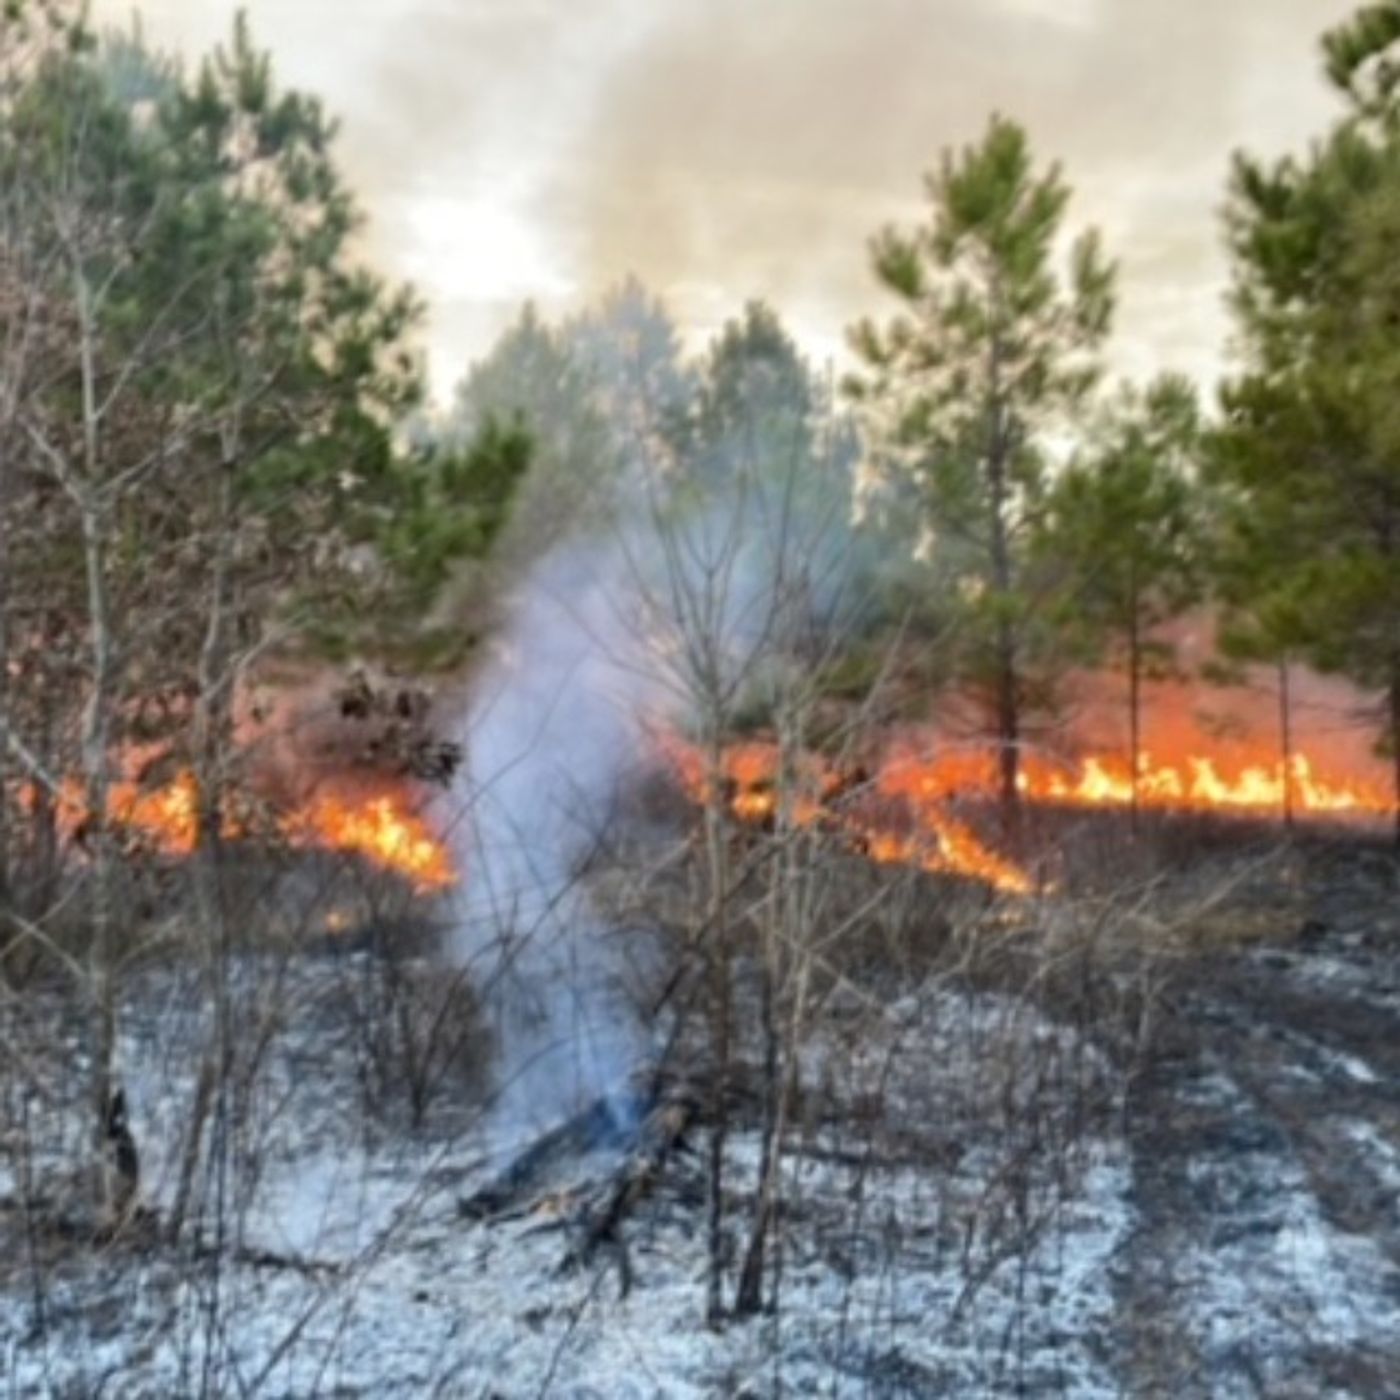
<point>1125,525</point>
<point>1126,520</point>
<point>629,348</point>
<point>989,362</point>
<point>254,374</point>
<point>533,377</point>
<point>1308,461</point>
<point>755,399</point>
<point>992,350</point>
<point>453,506</point>
<point>1360,58</point>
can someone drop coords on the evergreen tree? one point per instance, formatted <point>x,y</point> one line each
<point>966,391</point>
<point>1125,520</point>
<point>630,349</point>
<point>202,457</point>
<point>533,378</point>
<point>1309,461</point>
<point>755,397</point>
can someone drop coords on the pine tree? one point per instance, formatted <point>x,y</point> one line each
<point>1309,461</point>
<point>532,378</point>
<point>1126,521</point>
<point>629,347</point>
<point>967,390</point>
<point>755,399</point>
<point>203,457</point>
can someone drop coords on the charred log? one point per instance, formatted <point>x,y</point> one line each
<point>663,1133</point>
<point>644,1133</point>
<point>605,1125</point>
<point>121,1168</point>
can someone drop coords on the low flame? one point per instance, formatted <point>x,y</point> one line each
<point>1197,783</point>
<point>382,828</point>
<point>863,811</point>
<point>168,816</point>
<point>900,815</point>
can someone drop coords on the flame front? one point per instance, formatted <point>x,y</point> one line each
<point>901,815</point>
<point>1196,783</point>
<point>863,811</point>
<point>383,828</point>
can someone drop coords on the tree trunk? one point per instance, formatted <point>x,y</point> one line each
<point>6,928</point>
<point>212,718</point>
<point>1285,729</point>
<point>1008,726</point>
<point>748,1295</point>
<point>750,1292</point>
<point>85,490</point>
<point>716,814</point>
<point>1135,715</point>
<point>43,885</point>
<point>1395,739</point>
<point>96,744</point>
<point>781,925</point>
<point>1007,679</point>
<point>11,380</point>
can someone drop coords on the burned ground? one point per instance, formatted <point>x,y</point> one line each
<point>1265,1141</point>
<point>985,1191</point>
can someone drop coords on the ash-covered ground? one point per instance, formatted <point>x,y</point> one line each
<point>979,1197</point>
<point>1264,1139</point>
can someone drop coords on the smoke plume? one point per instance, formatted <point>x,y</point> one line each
<point>553,727</point>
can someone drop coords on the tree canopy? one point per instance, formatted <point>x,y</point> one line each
<point>1309,453</point>
<point>965,392</point>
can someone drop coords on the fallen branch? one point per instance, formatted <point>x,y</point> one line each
<point>270,1259</point>
<point>661,1135</point>
<point>604,1124</point>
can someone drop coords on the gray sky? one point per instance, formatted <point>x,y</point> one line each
<point>724,149</point>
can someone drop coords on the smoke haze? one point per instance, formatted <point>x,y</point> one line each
<point>551,732</point>
<point>724,149</point>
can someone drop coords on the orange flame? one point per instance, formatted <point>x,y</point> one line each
<point>382,828</point>
<point>168,816</point>
<point>1196,783</point>
<point>861,810</point>
<point>922,785</point>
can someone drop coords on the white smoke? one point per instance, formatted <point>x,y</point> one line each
<point>554,725</point>
<point>692,609</point>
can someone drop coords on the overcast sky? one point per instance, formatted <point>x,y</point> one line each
<point>725,149</point>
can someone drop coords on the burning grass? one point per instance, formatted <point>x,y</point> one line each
<point>905,811</point>
<point>386,825</point>
<point>1201,783</point>
<point>384,829</point>
<point>876,816</point>
<point>909,809</point>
